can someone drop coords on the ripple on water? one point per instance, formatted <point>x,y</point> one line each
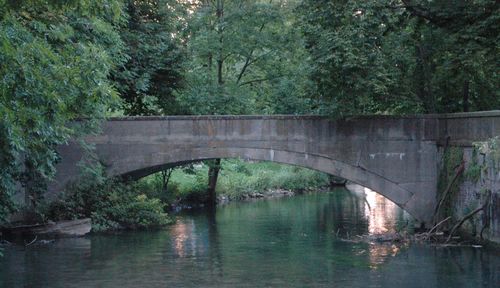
<point>288,242</point>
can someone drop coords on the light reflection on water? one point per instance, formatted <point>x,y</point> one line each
<point>382,216</point>
<point>380,213</point>
<point>289,242</point>
<point>181,232</point>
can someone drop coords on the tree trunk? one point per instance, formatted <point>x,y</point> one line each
<point>336,181</point>
<point>465,98</point>
<point>214,166</point>
<point>166,178</point>
<point>213,174</point>
<point>424,89</point>
<point>35,186</point>
<point>220,30</point>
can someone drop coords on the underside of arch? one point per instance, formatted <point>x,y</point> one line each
<point>137,166</point>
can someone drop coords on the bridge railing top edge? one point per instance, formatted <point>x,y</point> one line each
<point>479,114</point>
<point>494,113</point>
<point>214,117</point>
<point>264,117</point>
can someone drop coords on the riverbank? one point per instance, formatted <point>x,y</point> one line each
<point>238,180</point>
<point>144,204</point>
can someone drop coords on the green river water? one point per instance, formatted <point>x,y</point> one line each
<point>285,242</point>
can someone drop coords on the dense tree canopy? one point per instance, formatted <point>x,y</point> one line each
<point>244,57</point>
<point>403,56</point>
<point>55,62</point>
<point>153,45</point>
<point>62,60</point>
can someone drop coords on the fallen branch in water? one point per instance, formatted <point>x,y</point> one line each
<point>470,215</point>
<point>5,242</point>
<point>429,234</point>
<point>34,240</point>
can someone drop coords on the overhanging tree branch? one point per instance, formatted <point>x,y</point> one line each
<point>426,14</point>
<point>261,80</point>
<point>248,60</point>
<point>448,18</point>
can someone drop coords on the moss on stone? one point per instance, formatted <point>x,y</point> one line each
<point>473,172</point>
<point>491,150</point>
<point>452,158</point>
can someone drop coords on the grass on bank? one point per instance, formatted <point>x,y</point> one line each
<point>236,178</point>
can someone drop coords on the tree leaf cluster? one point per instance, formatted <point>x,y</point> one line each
<point>55,62</point>
<point>152,37</point>
<point>244,57</point>
<point>406,56</point>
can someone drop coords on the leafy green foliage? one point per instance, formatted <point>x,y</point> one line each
<point>263,176</point>
<point>110,205</point>
<point>473,171</point>
<point>357,56</point>
<point>403,56</point>
<point>152,38</point>
<point>55,61</point>
<point>491,148</point>
<point>245,57</point>
<point>236,179</point>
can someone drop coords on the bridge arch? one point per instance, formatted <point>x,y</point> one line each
<point>137,166</point>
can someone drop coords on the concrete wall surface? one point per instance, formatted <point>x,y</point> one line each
<point>395,156</point>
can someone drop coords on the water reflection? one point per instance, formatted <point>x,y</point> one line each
<point>379,253</point>
<point>289,242</point>
<point>183,231</point>
<point>382,214</point>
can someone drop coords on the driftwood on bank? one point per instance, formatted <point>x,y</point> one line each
<point>69,228</point>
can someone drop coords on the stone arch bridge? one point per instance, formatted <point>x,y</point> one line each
<point>396,156</point>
